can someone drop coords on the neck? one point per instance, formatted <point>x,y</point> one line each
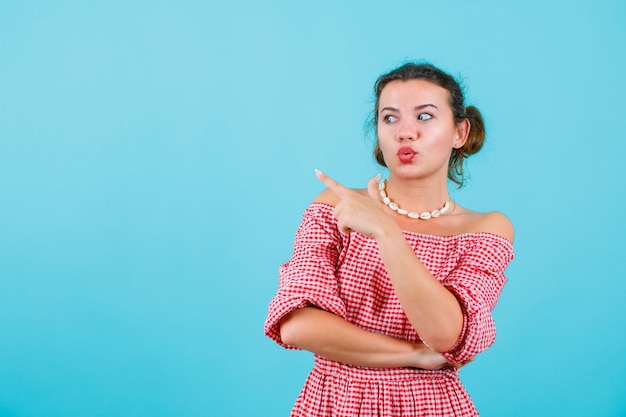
<point>417,195</point>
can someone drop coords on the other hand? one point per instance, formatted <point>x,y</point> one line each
<point>431,360</point>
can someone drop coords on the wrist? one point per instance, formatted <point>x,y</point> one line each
<point>388,229</point>
<point>416,359</point>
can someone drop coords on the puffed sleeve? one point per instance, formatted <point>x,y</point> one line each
<point>308,278</point>
<point>477,281</point>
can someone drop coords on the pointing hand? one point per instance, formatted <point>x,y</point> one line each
<point>357,211</point>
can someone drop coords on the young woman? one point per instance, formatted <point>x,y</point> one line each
<point>392,287</point>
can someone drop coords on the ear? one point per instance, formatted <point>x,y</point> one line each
<point>461,133</point>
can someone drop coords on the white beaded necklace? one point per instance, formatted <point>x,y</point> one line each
<point>412,214</point>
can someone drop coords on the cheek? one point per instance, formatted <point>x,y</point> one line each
<point>384,133</point>
<point>443,136</point>
<point>384,143</point>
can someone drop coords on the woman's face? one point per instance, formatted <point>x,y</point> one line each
<point>416,129</point>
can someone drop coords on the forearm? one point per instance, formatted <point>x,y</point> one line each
<point>332,337</point>
<point>433,311</point>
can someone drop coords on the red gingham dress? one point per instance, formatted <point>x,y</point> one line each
<point>343,273</point>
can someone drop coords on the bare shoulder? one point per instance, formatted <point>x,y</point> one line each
<point>329,197</point>
<point>496,223</point>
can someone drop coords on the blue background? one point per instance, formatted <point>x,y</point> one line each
<point>156,157</point>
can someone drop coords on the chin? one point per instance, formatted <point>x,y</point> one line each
<point>406,171</point>
<point>415,174</point>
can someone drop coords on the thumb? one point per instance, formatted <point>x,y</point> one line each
<point>372,187</point>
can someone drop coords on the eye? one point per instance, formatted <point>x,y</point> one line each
<point>389,118</point>
<point>424,116</point>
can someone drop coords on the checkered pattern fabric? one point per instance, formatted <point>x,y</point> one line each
<point>343,273</point>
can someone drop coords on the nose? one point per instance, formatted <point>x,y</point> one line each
<point>407,131</point>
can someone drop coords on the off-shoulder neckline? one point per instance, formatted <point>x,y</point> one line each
<point>442,237</point>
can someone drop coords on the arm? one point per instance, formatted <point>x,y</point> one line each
<point>334,338</point>
<point>432,309</point>
<point>308,313</point>
<point>441,311</point>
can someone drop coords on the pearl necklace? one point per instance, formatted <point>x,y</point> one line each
<point>414,215</point>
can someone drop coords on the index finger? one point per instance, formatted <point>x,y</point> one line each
<point>333,185</point>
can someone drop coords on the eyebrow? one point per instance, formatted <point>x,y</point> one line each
<point>420,107</point>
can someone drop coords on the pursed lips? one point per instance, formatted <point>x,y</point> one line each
<point>406,154</point>
<point>405,150</point>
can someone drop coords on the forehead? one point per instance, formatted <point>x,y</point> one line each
<point>413,93</point>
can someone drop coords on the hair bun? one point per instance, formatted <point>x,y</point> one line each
<point>476,137</point>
